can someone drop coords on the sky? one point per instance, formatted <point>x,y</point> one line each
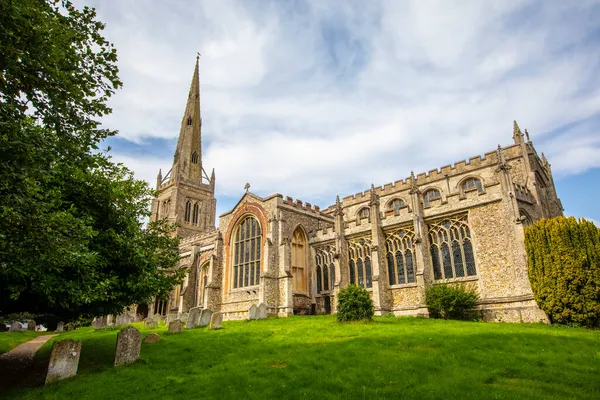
<point>316,98</point>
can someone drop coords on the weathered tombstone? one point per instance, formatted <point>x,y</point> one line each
<point>64,360</point>
<point>176,326</point>
<point>157,317</point>
<point>205,317</point>
<point>16,326</point>
<point>123,319</point>
<point>183,317</point>
<point>253,313</point>
<point>150,323</point>
<point>152,338</point>
<point>216,320</point>
<point>193,318</point>
<point>262,311</point>
<point>60,326</point>
<point>129,343</point>
<point>30,325</point>
<point>100,322</point>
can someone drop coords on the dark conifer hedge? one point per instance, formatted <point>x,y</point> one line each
<point>563,258</point>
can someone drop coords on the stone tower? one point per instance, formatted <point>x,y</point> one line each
<point>186,194</point>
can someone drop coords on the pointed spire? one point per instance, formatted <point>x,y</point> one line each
<point>517,134</point>
<point>527,136</point>
<point>500,156</point>
<point>338,206</point>
<point>159,179</point>
<point>212,179</point>
<point>374,196</point>
<point>414,188</point>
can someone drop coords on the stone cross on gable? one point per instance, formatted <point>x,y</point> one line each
<point>247,187</point>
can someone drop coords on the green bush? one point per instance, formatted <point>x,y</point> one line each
<point>354,304</point>
<point>563,261</point>
<point>451,301</point>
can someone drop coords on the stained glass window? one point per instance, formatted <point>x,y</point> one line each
<point>451,249</point>
<point>246,261</point>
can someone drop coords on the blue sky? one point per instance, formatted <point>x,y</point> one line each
<point>316,98</point>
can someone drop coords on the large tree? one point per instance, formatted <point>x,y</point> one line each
<point>72,240</point>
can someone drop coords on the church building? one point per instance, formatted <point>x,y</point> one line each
<point>461,223</point>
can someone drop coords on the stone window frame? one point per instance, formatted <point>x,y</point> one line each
<point>166,208</point>
<point>525,218</point>
<point>390,207</point>
<point>451,230</point>
<point>363,213</point>
<point>195,213</point>
<point>202,282</point>
<point>299,229</point>
<point>400,242</point>
<point>188,211</point>
<point>195,157</point>
<point>324,269</point>
<point>426,200</point>
<point>190,121</point>
<point>480,187</point>
<point>360,262</point>
<point>235,240</point>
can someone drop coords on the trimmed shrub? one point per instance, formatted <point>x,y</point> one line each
<point>451,301</point>
<point>354,304</point>
<point>563,262</point>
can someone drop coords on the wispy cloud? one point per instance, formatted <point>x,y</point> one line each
<point>316,98</point>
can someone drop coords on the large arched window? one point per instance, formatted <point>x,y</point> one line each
<point>359,256</point>
<point>471,184</point>
<point>451,249</point>
<point>325,269</point>
<point>195,214</point>
<point>395,205</point>
<point>431,195</point>
<point>188,211</point>
<point>400,256</point>
<point>299,261</point>
<point>246,253</point>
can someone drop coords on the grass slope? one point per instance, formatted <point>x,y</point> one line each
<point>316,357</point>
<point>10,340</point>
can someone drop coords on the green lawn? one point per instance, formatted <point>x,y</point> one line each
<point>318,358</point>
<point>10,340</point>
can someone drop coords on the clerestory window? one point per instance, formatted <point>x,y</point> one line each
<point>396,205</point>
<point>431,195</point>
<point>472,184</point>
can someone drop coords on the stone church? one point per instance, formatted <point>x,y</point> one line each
<point>461,223</point>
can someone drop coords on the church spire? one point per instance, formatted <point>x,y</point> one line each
<point>187,162</point>
<point>517,134</point>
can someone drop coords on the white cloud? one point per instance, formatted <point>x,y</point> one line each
<point>311,99</point>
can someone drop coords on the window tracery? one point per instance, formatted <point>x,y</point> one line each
<point>195,157</point>
<point>299,261</point>
<point>246,253</point>
<point>451,249</point>
<point>395,205</point>
<point>400,256</point>
<point>359,262</point>
<point>364,213</point>
<point>431,195</point>
<point>472,184</point>
<point>325,269</point>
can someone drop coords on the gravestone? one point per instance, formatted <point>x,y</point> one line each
<point>16,326</point>
<point>129,343</point>
<point>30,325</point>
<point>216,321</point>
<point>157,317</point>
<point>123,319</point>
<point>193,318</point>
<point>152,338</point>
<point>253,313</point>
<point>60,326</point>
<point>262,311</point>
<point>100,322</point>
<point>183,317</point>
<point>64,360</point>
<point>150,323</point>
<point>205,317</point>
<point>176,326</point>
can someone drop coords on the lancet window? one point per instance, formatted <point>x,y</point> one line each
<point>359,262</point>
<point>299,261</point>
<point>188,211</point>
<point>195,157</point>
<point>195,214</point>
<point>189,120</point>
<point>451,249</point>
<point>325,269</point>
<point>400,253</point>
<point>246,253</point>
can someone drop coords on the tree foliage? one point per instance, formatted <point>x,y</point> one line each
<point>451,301</point>
<point>354,304</point>
<point>72,240</point>
<point>563,259</point>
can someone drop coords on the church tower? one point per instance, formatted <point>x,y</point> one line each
<point>186,194</point>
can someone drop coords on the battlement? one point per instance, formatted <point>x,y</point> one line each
<point>306,206</point>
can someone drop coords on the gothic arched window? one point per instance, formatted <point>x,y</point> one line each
<point>189,120</point>
<point>299,261</point>
<point>246,253</point>
<point>451,249</point>
<point>195,214</point>
<point>364,213</point>
<point>195,157</point>
<point>431,195</point>
<point>471,184</point>
<point>359,255</point>
<point>325,269</point>
<point>395,206</point>
<point>400,260</point>
<point>188,211</point>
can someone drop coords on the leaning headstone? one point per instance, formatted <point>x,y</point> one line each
<point>253,312</point>
<point>262,311</point>
<point>129,343</point>
<point>152,338</point>
<point>205,317</point>
<point>16,326</point>
<point>150,323</point>
<point>30,325</point>
<point>193,318</point>
<point>60,326</point>
<point>64,360</point>
<point>176,326</point>
<point>216,320</point>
